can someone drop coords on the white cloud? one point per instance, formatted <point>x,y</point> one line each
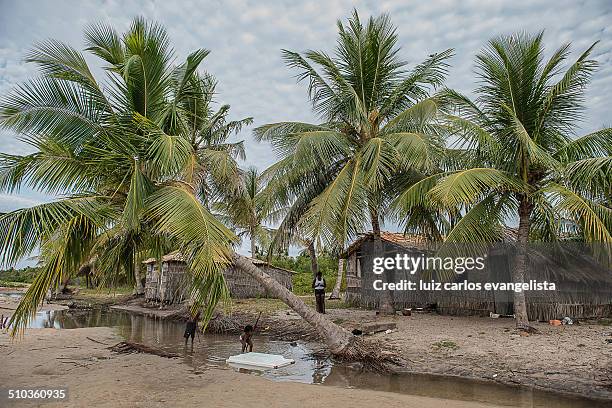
<point>11,202</point>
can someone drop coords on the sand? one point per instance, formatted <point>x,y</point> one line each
<point>573,359</point>
<point>97,377</point>
<point>567,360</point>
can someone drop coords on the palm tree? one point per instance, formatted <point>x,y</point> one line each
<point>377,124</point>
<point>122,158</point>
<point>215,172</point>
<point>126,159</point>
<point>340,341</point>
<point>248,210</point>
<point>516,155</point>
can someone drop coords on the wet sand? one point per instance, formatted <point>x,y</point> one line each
<point>97,377</point>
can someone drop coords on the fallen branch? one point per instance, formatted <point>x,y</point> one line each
<point>96,341</point>
<point>126,347</point>
<point>76,363</point>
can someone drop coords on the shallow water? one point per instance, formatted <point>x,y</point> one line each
<point>212,350</point>
<point>12,295</point>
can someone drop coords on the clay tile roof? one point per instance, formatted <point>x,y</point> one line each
<point>173,256</point>
<point>397,238</point>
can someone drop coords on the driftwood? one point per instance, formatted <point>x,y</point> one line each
<point>96,341</point>
<point>127,347</point>
<point>371,328</point>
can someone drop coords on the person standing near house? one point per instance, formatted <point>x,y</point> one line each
<point>318,284</point>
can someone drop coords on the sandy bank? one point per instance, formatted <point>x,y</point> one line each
<point>97,377</point>
<point>571,360</point>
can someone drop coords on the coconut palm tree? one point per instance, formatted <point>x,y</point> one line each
<point>377,122</point>
<point>123,158</point>
<point>215,172</point>
<point>248,210</point>
<point>516,156</point>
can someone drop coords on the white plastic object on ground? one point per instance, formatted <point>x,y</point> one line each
<point>258,361</point>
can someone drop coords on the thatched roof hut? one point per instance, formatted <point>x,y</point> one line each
<point>171,284</point>
<point>583,286</point>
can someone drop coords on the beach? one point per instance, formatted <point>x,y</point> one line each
<point>569,360</point>
<point>93,375</point>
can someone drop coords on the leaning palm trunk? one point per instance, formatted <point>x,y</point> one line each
<point>338,339</point>
<point>520,266</point>
<point>336,292</point>
<point>341,343</point>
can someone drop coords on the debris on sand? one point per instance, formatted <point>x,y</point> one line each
<point>126,347</point>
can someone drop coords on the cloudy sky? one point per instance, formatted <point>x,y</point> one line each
<point>246,37</point>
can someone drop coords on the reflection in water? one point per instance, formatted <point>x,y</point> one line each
<point>212,350</point>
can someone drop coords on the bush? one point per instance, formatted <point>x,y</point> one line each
<point>302,280</point>
<point>24,275</point>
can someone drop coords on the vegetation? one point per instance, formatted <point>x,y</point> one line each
<point>23,275</point>
<point>145,166</point>
<point>248,210</point>
<point>302,280</point>
<point>445,345</point>
<point>377,129</point>
<point>134,160</point>
<point>130,158</point>
<point>10,284</point>
<point>515,157</point>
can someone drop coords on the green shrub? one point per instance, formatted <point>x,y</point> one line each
<point>302,280</point>
<point>24,275</point>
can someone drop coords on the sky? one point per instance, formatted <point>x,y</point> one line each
<point>246,38</point>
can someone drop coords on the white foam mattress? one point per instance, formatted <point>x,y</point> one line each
<point>259,361</point>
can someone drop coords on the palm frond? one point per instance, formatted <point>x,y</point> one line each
<point>467,186</point>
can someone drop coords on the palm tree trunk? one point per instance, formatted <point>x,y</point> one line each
<point>520,264</point>
<point>65,282</point>
<point>253,243</point>
<point>138,288</point>
<point>336,292</point>
<point>339,340</point>
<point>314,265</point>
<point>386,301</point>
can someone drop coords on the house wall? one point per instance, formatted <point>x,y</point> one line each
<point>152,281</point>
<point>578,299</point>
<point>172,284</point>
<point>360,278</point>
<point>242,285</point>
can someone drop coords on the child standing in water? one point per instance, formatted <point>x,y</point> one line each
<point>191,327</point>
<point>246,338</point>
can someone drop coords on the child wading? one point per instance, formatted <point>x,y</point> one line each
<point>318,284</point>
<point>246,338</point>
<point>191,327</point>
